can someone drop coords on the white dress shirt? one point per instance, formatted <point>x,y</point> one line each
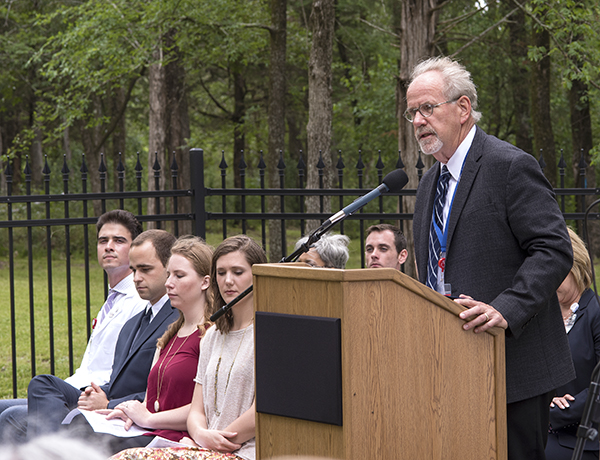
<point>455,165</point>
<point>96,365</point>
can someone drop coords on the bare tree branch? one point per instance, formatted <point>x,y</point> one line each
<point>482,34</point>
<point>380,29</point>
<point>217,103</point>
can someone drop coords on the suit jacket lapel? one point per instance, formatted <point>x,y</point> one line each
<point>429,184</point>
<point>163,313</point>
<point>136,326</point>
<point>467,178</point>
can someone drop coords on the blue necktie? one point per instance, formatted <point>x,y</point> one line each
<point>435,248</point>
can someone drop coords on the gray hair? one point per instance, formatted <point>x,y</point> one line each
<point>332,249</point>
<point>457,80</point>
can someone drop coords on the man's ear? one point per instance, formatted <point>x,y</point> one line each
<point>464,103</point>
<point>402,256</point>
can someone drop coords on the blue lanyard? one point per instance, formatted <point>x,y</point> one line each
<point>443,236</point>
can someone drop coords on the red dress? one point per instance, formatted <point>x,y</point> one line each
<point>174,372</point>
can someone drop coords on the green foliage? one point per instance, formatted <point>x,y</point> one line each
<point>573,27</point>
<point>61,60</point>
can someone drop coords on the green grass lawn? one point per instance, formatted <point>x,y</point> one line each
<point>41,319</point>
<point>40,283</point>
<point>42,348</point>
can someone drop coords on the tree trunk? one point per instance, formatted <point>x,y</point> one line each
<point>581,134</point>
<point>277,83</point>
<point>3,165</point>
<point>177,134</point>
<point>519,75</point>
<point>415,24</point>
<point>67,144</point>
<point>93,148</point>
<point>157,123</point>
<point>239,112</point>
<point>37,157</point>
<point>543,135</point>
<point>320,105</point>
<point>119,135</point>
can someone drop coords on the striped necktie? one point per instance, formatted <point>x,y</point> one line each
<point>108,305</point>
<point>435,248</point>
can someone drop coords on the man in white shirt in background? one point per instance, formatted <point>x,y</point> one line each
<point>116,230</point>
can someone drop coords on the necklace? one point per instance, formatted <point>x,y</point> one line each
<point>217,412</point>
<point>160,379</point>
<point>569,318</point>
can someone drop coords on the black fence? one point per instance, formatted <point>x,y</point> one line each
<point>41,232</point>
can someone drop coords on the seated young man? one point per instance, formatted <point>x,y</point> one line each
<point>50,399</point>
<point>115,231</point>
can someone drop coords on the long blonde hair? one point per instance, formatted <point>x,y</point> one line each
<point>582,265</point>
<point>194,249</point>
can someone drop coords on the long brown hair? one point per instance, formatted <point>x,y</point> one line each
<point>253,253</point>
<point>194,249</point>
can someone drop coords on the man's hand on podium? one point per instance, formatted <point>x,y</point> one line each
<point>479,316</point>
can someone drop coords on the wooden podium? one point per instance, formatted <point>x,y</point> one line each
<point>414,385</point>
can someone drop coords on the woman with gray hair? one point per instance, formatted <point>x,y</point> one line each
<point>330,251</point>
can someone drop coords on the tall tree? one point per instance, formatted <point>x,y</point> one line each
<point>543,133</point>
<point>320,104</point>
<point>416,28</point>
<point>519,73</point>
<point>168,119</point>
<point>276,113</point>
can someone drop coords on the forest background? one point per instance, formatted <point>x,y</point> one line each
<point>158,77</point>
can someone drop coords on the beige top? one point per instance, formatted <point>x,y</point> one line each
<point>235,351</point>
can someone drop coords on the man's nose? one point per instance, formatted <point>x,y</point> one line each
<point>419,120</point>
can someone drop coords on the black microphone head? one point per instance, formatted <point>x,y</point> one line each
<point>395,180</point>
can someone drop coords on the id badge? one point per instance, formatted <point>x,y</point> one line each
<point>443,287</point>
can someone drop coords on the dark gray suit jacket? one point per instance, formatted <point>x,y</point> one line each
<point>132,362</point>
<point>507,246</point>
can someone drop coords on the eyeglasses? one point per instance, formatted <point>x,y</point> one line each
<point>426,110</point>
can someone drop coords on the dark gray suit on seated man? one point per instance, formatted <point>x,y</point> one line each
<point>50,399</point>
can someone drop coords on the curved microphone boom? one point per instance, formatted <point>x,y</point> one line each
<point>392,182</point>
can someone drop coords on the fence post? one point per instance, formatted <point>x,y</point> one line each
<point>198,191</point>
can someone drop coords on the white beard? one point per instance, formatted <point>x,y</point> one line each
<point>431,145</point>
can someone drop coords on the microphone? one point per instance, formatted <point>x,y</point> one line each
<point>392,182</point>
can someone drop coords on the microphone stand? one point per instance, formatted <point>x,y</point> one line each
<point>591,410</point>
<point>393,181</point>
<point>591,413</point>
<point>313,238</point>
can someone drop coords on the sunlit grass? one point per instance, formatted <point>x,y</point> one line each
<point>41,319</point>
<point>59,295</point>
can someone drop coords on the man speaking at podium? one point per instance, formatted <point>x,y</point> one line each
<point>487,228</point>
